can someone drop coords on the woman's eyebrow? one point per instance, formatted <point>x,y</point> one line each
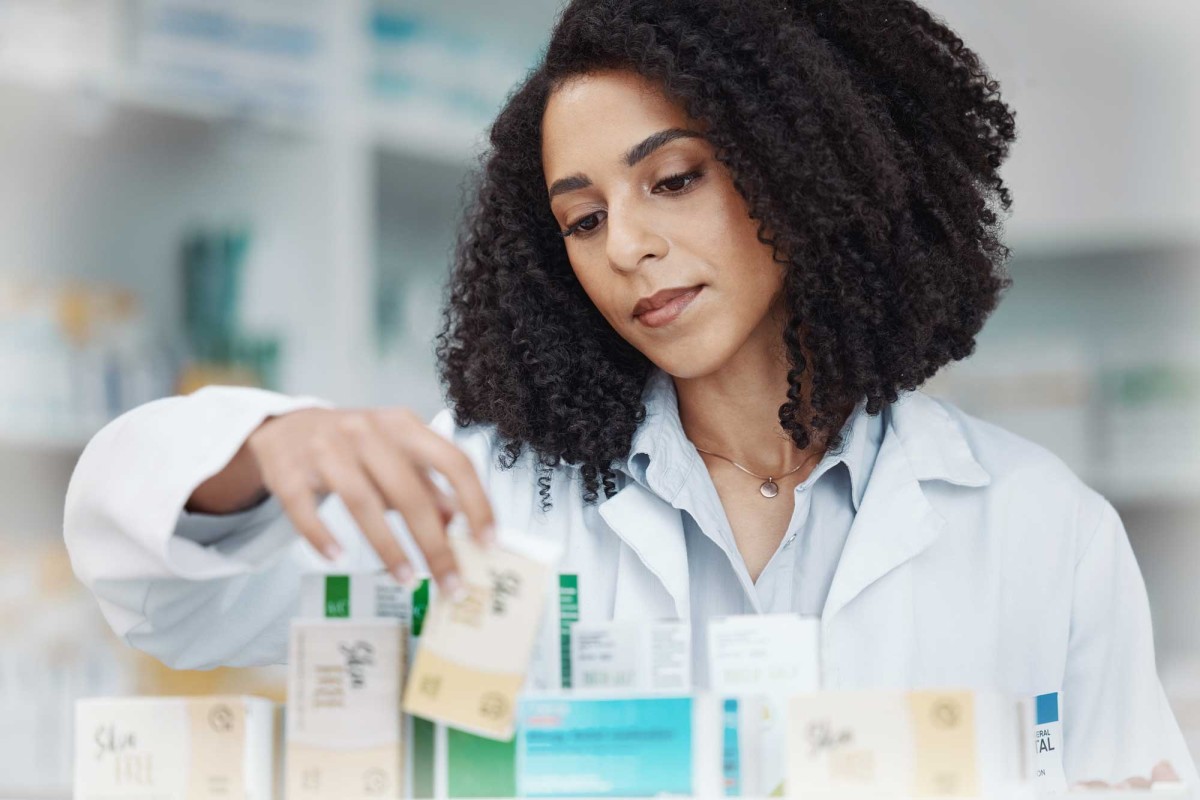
<point>635,154</point>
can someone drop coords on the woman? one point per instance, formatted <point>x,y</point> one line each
<point>715,249</point>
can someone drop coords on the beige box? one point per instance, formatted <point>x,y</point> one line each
<point>900,744</point>
<point>344,731</point>
<point>475,651</point>
<point>175,748</point>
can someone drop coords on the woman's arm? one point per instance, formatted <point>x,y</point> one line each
<point>199,589</point>
<point>1117,723</point>
<point>237,487</point>
<point>193,590</point>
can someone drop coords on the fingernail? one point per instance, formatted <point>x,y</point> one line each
<point>332,551</point>
<point>403,574</point>
<point>452,586</point>
<point>488,535</point>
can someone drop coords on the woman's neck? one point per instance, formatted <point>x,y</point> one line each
<point>734,412</point>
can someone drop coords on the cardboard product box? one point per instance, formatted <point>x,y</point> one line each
<point>176,748</point>
<point>618,746</point>
<point>928,743</point>
<point>344,730</point>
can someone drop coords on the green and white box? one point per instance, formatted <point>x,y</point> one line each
<point>354,596</point>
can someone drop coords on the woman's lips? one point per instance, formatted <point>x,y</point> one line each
<point>671,311</point>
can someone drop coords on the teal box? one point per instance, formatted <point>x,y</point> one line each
<point>606,747</point>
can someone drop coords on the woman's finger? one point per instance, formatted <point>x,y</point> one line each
<point>1164,772</point>
<point>300,505</point>
<point>447,505</point>
<point>1088,785</point>
<point>341,471</point>
<point>404,489</point>
<point>431,450</point>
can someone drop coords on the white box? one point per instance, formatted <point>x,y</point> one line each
<point>653,656</point>
<point>344,732</point>
<point>168,748</point>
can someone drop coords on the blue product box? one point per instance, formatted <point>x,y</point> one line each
<point>604,747</point>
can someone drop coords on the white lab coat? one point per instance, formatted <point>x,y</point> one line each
<point>977,559</point>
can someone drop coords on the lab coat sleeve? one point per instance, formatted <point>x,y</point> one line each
<point>1116,719</point>
<point>196,591</point>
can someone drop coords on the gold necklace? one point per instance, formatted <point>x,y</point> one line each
<point>769,487</point>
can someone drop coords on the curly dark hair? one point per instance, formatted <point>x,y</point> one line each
<point>866,140</point>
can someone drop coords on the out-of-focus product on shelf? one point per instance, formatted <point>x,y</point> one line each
<point>213,262</point>
<point>354,595</point>
<point>755,661</point>
<point>654,656</point>
<point>344,731</point>
<point>763,653</point>
<point>444,77</point>
<point>908,744</point>
<point>376,594</point>
<point>1126,421</point>
<point>54,648</point>
<point>462,764</point>
<point>1151,420</point>
<point>551,665</point>
<point>59,43</point>
<point>1043,391</point>
<point>255,57</point>
<point>625,746</point>
<point>754,745</point>
<point>478,766</point>
<point>1047,741</point>
<point>475,649</point>
<point>73,357</point>
<point>175,748</point>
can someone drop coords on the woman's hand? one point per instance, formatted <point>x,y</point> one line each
<point>375,460</point>
<point>1163,772</point>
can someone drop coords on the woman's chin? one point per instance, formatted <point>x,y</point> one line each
<point>688,359</point>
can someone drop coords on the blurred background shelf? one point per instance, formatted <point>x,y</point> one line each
<point>337,139</point>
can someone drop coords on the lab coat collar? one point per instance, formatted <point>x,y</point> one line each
<point>894,524</point>
<point>934,442</point>
<point>653,531</point>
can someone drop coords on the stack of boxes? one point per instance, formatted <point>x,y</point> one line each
<point>503,692</point>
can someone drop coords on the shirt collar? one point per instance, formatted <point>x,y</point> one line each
<point>862,434</point>
<point>661,458</point>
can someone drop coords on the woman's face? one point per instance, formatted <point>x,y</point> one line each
<point>649,208</point>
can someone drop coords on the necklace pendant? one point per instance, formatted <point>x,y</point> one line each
<point>769,488</point>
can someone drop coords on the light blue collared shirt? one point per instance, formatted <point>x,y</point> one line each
<point>797,577</point>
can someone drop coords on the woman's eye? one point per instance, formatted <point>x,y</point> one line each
<point>674,184</point>
<point>581,228</point>
<point>677,183</point>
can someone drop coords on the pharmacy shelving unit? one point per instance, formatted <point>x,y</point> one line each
<point>118,163</point>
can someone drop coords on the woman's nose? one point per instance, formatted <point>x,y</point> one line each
<point>632,237</point>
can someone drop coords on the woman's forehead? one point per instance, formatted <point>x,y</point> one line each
<point>593,120</point>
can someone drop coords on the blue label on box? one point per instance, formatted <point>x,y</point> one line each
<point>1047,708</point>
<point>731,757</point>
<point>631,747</point>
